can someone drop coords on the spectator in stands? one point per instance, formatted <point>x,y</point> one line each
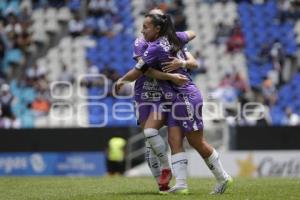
<point>40,106</point>
<point>6,99</point>
<point>263,55</point>
<point>25,18</point>
<point>76,26</point>
<point>175,9</point>
<point>260,117</point>
<point>24,41</point>
<point>277,55</point>
<point>103,19</point>
<point>226,93</point>
<point>226,80</point>
<point>291,118</point>
<point>222,33</point>
<point>99,8</point>
<point>241,86</point>
<point>269,91</point>
<point>288,10</point>
<point>13,25</point>
<point>236,41</point>
<point>201,64</point>
<point>7,117</point>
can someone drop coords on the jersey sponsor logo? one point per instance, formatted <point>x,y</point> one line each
<point>151,86</point>
<point>151,95</point>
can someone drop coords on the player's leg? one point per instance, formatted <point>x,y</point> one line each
<point>192,125</point>
<point>150,157</point>
<point>212,160</point>
<point>154,122</point>
<point>179,160</point>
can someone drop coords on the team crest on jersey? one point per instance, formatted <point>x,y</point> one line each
<point>168,95</point>
<point>146,53</point>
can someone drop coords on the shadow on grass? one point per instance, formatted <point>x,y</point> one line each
<point>134,193</point>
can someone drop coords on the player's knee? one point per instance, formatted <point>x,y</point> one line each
<point>150,132</point>
<point>175,144</point>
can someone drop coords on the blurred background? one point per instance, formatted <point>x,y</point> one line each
<point>60,59</point>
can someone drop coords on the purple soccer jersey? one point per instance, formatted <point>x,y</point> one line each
<point>159,52</point>
<point>147,89</point>
<point>144,87</point>
<point>186,107</point>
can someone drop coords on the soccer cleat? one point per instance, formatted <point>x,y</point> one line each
<point>164,188</point>
<point>179,190</point>
<point>220,188</point>
<point>165,178</point>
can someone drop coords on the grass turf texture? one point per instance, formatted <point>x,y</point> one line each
<point>115,188</point>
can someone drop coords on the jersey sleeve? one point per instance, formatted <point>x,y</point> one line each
<point>183,37</point>
<point>140,45</point>
<point>151,55</point>
<point>150,58</point>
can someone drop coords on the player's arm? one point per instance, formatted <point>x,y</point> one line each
<point>131,75</point>
<point>176,63</point>
<point>142,68</point>
<point>176,78</point>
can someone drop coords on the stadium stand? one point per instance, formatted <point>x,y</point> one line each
<point>247,52</point>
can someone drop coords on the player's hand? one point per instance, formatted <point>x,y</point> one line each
<point>119,84</point>
<point>179,79</point>
<point>171,65</point>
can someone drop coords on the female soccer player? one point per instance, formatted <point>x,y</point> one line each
<point>148,108</point>
<point>148,98</point>
<point>185,101</point>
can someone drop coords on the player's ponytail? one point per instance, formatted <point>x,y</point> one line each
<point>169,31</point>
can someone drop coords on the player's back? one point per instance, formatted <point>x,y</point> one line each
<point>159,52</point>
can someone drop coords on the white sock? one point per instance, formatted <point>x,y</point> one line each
<point>214,164</point>
<point>153,161</point>
<point>158,146</point>
<point>179,165</point>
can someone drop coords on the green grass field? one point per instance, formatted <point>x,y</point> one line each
<point>115,188</point>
